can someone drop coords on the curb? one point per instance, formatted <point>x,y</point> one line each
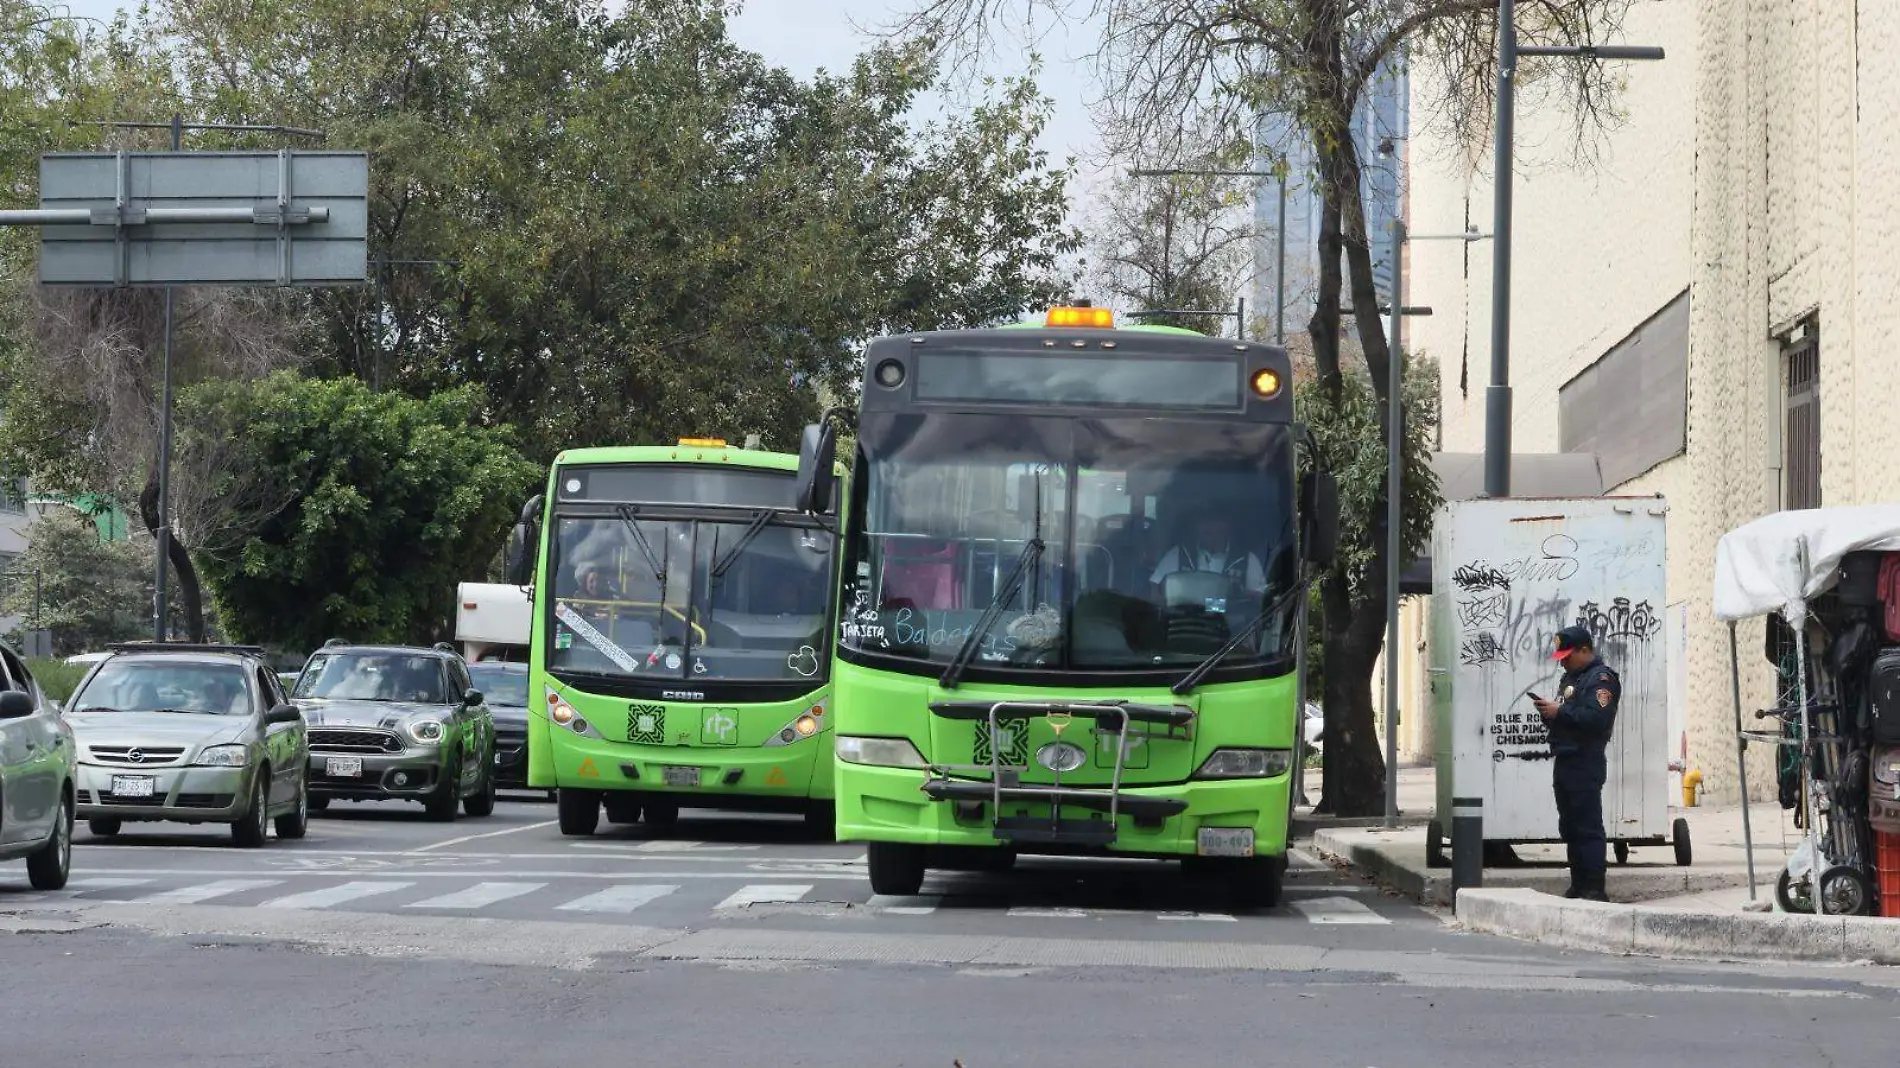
<point>1645,930</point>
<point>1384,869</point>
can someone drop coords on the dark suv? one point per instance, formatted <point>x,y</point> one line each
<point>505,687</point>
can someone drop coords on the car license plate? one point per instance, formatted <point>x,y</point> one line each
<point>132,785</point>
<point>1225,842</point>
<point>343,767</point>
<point>673,775</point>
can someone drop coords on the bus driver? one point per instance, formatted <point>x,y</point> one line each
<point>1212,550</point>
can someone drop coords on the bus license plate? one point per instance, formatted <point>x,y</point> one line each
<point>132,785</point>
<point>673,775</point>
<point>343,767</point>
<point>1226,842</point>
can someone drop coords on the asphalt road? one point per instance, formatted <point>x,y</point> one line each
<point>382,939</point>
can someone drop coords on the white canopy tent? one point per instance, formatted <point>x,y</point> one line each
<point>1781,563</point>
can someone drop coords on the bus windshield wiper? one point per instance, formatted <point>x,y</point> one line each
<point>731,557</point>
<point>1201,670</point>
<point>631,516</point>
<point>1032,551</point>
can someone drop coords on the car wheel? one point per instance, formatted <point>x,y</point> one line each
<point>579,811</point>
<point>104,827</point>
<point>482,801</point>
<point>446,802</point>
<point>253,827</point>
<point>294,823</point>
<point>49,868</point>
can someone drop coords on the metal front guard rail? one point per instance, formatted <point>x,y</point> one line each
<point>1122,713</point>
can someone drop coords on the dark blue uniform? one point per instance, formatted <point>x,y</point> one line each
<point>1579,736</point>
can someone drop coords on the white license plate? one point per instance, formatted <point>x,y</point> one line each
<point>1225,842</point>
<point>343,767</point>
<point>132,785</point>
<point>673,775</point>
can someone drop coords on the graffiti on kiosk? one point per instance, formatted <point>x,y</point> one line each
<point>1474,578</point>
<point>1621,621</point>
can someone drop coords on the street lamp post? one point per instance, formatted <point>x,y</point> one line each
<point>1497,397</point>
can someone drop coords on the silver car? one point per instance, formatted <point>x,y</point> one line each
<point>37,770</point>
<point>193,734</point>
<point>394,723</point>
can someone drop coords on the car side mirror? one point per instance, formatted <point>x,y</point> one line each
<point>1319,508</point>
<point>472,698</point>
<point>523,542</point>
<point>284,714</point>
<point>16,705</point>
<point>817,468</point>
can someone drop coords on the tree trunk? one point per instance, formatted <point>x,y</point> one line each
<point>190,596</point>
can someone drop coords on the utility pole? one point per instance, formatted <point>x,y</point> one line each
<point>1497,396</point>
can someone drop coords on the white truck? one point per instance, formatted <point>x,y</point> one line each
<point>492,621</point>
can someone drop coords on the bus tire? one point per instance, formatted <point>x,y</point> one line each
<point>660,815</point>
<point>821,821</point>
<point>578,811</point>
<point>1256,882</point>
<point>897,868</point>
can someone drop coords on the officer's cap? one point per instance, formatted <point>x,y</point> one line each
<point>1569,640</point>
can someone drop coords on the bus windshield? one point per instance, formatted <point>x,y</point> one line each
<point>1160,538</point>
<point>739,598</point>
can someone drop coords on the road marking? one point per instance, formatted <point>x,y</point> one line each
<point>921,905</point>
<point>823,874</point>
<point>1336,910</point>
<point>334,895</point>
<point>104,883</point>
<point>1307,861</point>
<point>1216,917</point>
<point>763,894</point>
<point>191,895</point>
<point>1049,914</point>
<point>659,845</point>
<point>478,896</point>
<point>488,834</point>
<point>618,898</point>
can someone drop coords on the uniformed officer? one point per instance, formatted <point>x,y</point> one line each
<point>1579,723</point>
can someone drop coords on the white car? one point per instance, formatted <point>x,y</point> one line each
<point>1315,726</point>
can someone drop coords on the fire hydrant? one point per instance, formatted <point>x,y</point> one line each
<point>1691,782</point>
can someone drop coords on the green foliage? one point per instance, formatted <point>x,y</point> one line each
<point>393,500</point>
<point>90,592</point>
<point>57,678</point>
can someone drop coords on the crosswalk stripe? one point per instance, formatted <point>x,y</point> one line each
<point>618,898</point>
<point>1336,910</point>
<point>334,895</point>
<point>1048,914</point>
<point>763,894</point>
<point>478,896</point>
<point>921,905</point>
<point>104,882</point>
<point>1216,917</point>
<point>192,895</point>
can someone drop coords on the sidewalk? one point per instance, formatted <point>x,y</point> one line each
<point>1657,907</point>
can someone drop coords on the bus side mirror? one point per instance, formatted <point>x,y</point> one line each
<point>523,540</point>
<point>817,473</point>
<point>1319,507</point>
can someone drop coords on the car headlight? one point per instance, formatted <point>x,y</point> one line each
<point>1245,764</point>
<point>884,752</point>
<point>802,726</point>
<point>224,756</point>
<point>426,730</point>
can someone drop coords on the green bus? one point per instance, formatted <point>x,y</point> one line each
<point>680,648</point>
<point>1071,574</point>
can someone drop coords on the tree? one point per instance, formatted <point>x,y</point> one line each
<point>392,501</point>
<point>87,591</point>
<point>1312,61</point>
<point>1176,241</point>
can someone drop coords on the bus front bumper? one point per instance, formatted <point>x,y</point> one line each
<point>794,771</point>
<point>885,804</point>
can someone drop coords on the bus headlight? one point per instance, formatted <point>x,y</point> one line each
<point>802,726</point>
<point>1245,764</point>
<point>882,752</point>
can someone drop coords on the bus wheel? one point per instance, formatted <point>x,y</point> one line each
<point>579,811</point>
<point>897,868</point>
<point>622,808</point>
<point>660,815</point>
<point>1256,881</point>
<point>821,821</point>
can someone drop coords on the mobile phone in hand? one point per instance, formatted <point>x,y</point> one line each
<point>1533,695</point>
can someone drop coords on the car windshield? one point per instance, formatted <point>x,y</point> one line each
<point>148,685</point>
<point>374,677</point>
<point>1161,538</point>
<point>501,685</point>
<point>737,597</point>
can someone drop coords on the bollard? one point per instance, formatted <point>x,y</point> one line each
<point>1467,844</point>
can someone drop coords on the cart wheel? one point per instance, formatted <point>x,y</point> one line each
<point>1679,834</point>
<point>1846,891</point>
<point>1435,845</point>
<point>1792,898</point>
<point>1622,852</point>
